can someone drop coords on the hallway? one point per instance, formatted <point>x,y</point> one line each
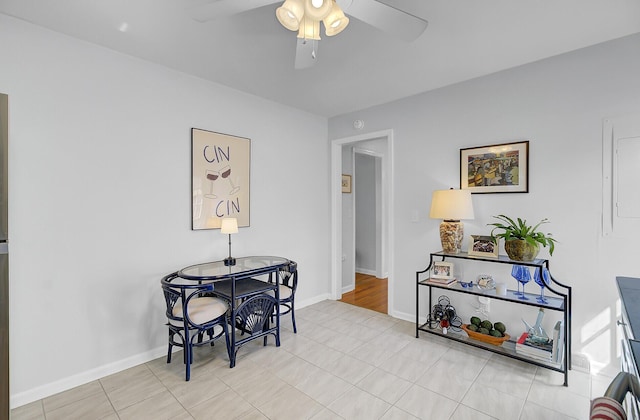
<point>370,293</point>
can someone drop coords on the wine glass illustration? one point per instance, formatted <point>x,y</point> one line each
<point>212,176</point>
<point>542,281</point>
<point>225,173</point>
<point>522,275</point>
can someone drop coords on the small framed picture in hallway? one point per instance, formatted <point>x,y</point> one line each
<point>346,184</point>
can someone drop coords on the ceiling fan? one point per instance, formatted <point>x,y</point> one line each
<point>305,16</point>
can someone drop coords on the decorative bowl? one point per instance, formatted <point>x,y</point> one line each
<point>489,339</point>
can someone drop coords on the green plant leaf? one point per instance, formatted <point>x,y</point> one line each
<point>508,229</point>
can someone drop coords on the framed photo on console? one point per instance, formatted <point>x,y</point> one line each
<point>483,246</point>
<point>499,168</point>
<point>442,270</point>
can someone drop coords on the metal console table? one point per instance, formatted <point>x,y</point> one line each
<point>561,302</point>
<point>240,285</point>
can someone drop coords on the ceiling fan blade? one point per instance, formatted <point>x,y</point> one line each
<point>224,8</point>
<point>306,53</point>
<point>389,19</point>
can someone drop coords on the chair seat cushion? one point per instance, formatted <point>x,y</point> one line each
<point>285,292</point>
<point>201,310</point>
<point>606,408</point>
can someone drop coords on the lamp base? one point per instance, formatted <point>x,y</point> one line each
<point>229,261</point>
<point>451,234</point>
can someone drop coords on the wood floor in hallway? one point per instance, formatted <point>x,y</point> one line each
<point>370,293</point>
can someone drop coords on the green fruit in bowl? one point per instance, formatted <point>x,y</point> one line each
<point>472,327</point>
<point>486,324</point>
<point>495,333</point>
<point>500,327</point>
<point>484,331</point>
<point>475,321</point>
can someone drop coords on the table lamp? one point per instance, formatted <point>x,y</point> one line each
<point>229,225</point>
<point>451,206</point>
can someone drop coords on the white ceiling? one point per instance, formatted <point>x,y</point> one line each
<point>357,68</point>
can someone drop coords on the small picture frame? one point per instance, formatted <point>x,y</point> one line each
<point>442,270</point>
<point>346,184</point>
<point>483,246</point>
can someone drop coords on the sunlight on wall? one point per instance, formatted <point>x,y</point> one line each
<point>598,323</point>
<point>599,339</point>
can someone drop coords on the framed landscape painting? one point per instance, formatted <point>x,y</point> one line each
<point>499,168</point>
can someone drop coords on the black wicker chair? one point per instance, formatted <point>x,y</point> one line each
<point>253,318</point>
<point>193,318</point>
<point>287,284</point>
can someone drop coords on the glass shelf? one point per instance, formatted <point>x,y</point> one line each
<point>508,348</point>
<point>553,303</point>
<point>502,259</point>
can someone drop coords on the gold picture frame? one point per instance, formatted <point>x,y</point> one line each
<point>346,184</point>
<point>499,168</point>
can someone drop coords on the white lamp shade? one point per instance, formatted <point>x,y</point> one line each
<point>451,205</point>
<point>320,12</point>
<point>290,14</point>
<point>229,225</point>
<point>335,22</point>
<point>309,29</point>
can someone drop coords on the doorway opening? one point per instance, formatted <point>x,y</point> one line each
<point>370,293</point>
<point>378,145</point>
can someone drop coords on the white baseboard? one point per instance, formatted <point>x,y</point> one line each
<point>308,302</point>
<point>580,362</point>
<point>403,316</point>
<point>366,271</point>
<point>348,288</point>
<point>82,378</point>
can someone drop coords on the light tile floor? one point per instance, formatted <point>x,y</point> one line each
<point>345,363</point>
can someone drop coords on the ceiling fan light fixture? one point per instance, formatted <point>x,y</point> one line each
<point>336,21</point>
<point>317,13</point>
<point>309,29</point>
<point>290,14</point>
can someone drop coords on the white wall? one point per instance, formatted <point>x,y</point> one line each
<point>365,205</point>
<point>100,200</point>
<point>558,105</point>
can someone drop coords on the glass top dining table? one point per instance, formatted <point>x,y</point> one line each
<point>250,276</point>
<point>244,267</point>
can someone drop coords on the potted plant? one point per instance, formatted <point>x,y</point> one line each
<point>521,240</point>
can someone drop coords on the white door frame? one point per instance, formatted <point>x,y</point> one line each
<point>336,209</point>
